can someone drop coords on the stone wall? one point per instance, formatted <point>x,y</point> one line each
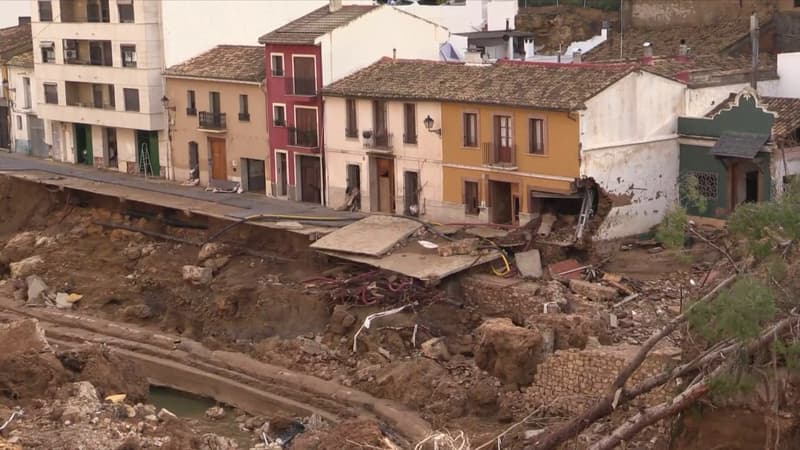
<point>787,30</point>
<point>667,13</point>
<point>573,379</point>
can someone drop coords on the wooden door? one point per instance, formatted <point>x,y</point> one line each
<point>219,166</point>
<point>310,174</point>
<point>385,172</point>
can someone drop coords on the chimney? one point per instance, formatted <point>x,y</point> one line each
<point>754,38</point>
<point>577,57</point>
<point>647,50</point>
<point>507,25</point>
<point>394,53</point>
<point>334,5</point>
<point>605,29</point>
<point>22,20</point>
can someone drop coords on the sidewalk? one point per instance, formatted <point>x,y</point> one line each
<point>165,193</point>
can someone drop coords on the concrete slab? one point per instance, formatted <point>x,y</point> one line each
<point>447,230</point>
<point>372,236</point>
<point>425,267</point>
<point>486,232</point>
<point>529,263</point>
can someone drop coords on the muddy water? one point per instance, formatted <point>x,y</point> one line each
<point>193,408</point>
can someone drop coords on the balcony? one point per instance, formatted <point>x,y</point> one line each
<point>83,11</point>
<point>500,156</point>
<point>90,95</point>
<point>379,141</point>
<point>213,121</point>
<point>86,52</point>
<point>301,86</point>
<point>303,138</point>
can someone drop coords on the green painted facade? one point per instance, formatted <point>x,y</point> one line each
<point>744,117</point>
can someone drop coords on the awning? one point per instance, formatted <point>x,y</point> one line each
<point>739,145</point>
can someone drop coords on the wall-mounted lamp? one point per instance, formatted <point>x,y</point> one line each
<point>428,122</point>
<point>165,103</point>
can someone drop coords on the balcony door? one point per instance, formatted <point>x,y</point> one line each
<point>305,123</point>
<point>305,80</point>
<point>502,139</point>
<point>214,103</point>
<point>379,126</point>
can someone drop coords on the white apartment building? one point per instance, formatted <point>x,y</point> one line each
<point>99,83</point>
<point>27,129</point>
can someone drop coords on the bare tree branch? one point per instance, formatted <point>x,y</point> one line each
<point>616,394</point>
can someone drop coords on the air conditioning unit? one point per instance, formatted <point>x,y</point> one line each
<point>70,54</point>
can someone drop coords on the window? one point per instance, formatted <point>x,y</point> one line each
<point>410,131</point>
<point>351,128</point>
<point>48,52</point>
<point>536,133</point>
<point>472,201</point>
<point>797,3</point>
<point>128,55</point>
<point>470,130</point>
<point>279,115</point>
<point>125,8</point>
<point>244,110</point>
<point>502,131</point>
<point>305,80</point>
<point>191,106</point>
<point>19,122</point>
<point>26,90</point>
<point>45,11</point>
<point>51,93</point>
<point>277,65</point>
<point>131,99</point>
<point>706,184</point>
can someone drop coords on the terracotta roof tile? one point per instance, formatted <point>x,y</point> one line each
<point>539,85</point>
<point>704,69</point>
<point>15,40</point>
<point>787,109</point>
<point>22,60</point>
<point>705,39</point>
<point>224,62</point>
<point>315,24</point>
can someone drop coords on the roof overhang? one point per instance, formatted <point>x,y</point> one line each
<point>211,80</point>
<point>739,145</point>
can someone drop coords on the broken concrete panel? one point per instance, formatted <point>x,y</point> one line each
<point>593,291</point>
<point>27,266</point>
<point>529,263</point>
<point>425,267</point>
<point>372,236</point>
<point>548,220</point>
<point>36,287</point>
<point>198,275</point>
<point>509,352</point>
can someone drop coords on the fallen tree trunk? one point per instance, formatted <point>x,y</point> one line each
<point>616,394</point>
<point>694,392</point>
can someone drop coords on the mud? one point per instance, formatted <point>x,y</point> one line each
<point>264,309</point>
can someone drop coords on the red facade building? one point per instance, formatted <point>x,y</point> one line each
<point>294,104</point>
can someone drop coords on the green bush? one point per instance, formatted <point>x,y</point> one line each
<point>738,312</point>
<point>671,232</point>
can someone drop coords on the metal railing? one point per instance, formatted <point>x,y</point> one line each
<point>303,138</point>
<point>381,141</point>
<point>499,155</point>
<point>212,120</point>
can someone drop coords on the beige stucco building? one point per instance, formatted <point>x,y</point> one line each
<point>217,112</point>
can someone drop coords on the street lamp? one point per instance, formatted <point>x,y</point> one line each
<point>428,122</point>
